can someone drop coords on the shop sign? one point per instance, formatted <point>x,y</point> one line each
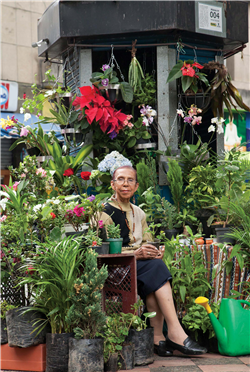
<point>8,95</point>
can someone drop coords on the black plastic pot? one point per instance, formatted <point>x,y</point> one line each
<point>144,345</point>
<point>156,243</point>
<point>221,235</point>
<point>86,355</point>
<point>103,249</point>
<point>111,365</point>
<point>57,352</point>
<point>20,327</point>
<point>127,357</point>
<point>33,151</point>
<point>4,335</point>
<point>171,232</point>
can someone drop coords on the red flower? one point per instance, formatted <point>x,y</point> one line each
<point>53,216</point>
<point>69,172</point>
<point>85,175</point>
<point>100,110</point>
<point>30,270</point>
<point>196,64</point>
<point>94,243</point>
<point>187,70</point>
<point>24,95</point>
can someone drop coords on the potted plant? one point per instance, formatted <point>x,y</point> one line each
<point>153,231</point>
<point>141,336</point>
<point>92,240</point>
<point>114,238</point>
<point>107,80</point>
<point>54,273</point>
<point>192,84</point>
<point>86,318</point>
<point>169,216</point>
<point>5,306</point>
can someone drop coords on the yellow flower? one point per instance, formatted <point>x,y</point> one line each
<point>6,122</point>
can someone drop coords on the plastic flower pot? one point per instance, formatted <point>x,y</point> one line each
<point>115,245</point>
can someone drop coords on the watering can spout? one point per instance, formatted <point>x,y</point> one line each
<point>220,332</point>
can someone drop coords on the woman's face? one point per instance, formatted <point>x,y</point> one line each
<point>125,184</point>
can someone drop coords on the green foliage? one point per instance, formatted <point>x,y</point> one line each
<point>134,321</point>
<point>85,313</point>
<point>168,214</point>
<point>187,269</point>
<point>152,229</point>
<point>5,306</point>
<point>147,93</point>
<point>197,319</point>
<point>53,274</point>
<point>143,177</point>
<point>113,231</point>
<point>149,206</point>
<point>92,239</point>
<point>135,75</point>
<point>131,135</point>
<point>175,180</point>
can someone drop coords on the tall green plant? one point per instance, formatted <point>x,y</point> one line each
<point>143,177</point>
<point>85,313</point>
<point>51,277</point>
<point>175,180</point>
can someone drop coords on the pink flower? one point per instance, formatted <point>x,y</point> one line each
<point>130,125</point>
<point>23,175</point>
<point>100,223</point>
<point>79,211</point>
<point>197,120</point>
<point>24,132</point>
<point>3,218</point>
<point>42,172</point>
<point>15,185</point>
<point>2,254</point>
<point>30,270</point>
<point>69,214</point>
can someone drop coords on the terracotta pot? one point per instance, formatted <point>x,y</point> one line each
<point>199,241</point>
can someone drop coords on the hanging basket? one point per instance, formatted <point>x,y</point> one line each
<point>112,92</point>
<point>201,100</point>
<point>65,98</point>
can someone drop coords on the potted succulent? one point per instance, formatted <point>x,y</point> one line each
<point>86,318</point>
<point>92,240</point>
<point>114,238</point>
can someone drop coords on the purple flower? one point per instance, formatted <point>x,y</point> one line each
<point>188,119</point>
<point>143,111</point>
<point>113,135</point>
<point>105,67</point>
<point>91,198</point>
<point>24,132</point>
<point>105,82</point>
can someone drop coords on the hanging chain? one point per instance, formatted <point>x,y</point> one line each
<point>75,58</point>
<point>112,60</point>
<point>195,55</point>
<point>59,74</point>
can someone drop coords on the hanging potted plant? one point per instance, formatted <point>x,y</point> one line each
<point>107,81</point>
<point>87,318</point>
<point>192,83</point>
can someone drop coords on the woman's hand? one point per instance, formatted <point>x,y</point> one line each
<point>148,252</point>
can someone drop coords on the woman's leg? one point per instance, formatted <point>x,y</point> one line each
<point>157,321</point>
<point>165,303</point>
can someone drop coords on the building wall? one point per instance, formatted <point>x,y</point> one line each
<point>19,61</point>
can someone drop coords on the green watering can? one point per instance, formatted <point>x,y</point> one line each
<point>233,326</point>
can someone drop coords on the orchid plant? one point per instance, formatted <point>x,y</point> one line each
<point>189,72</point>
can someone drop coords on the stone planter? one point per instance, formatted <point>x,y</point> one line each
<point>144,345</point>
<point>57,352</point>
<point>86,355</point>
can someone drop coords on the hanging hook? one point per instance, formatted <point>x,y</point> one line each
<point>195,55</point>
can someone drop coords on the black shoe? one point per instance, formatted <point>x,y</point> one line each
<point>161,349</point>
<point>190,347</point>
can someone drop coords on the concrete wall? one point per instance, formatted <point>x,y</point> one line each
<point>19,61</point>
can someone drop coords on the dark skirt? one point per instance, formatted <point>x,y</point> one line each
<point>151,275</point>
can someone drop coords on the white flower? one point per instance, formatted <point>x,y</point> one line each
<point>21,110</point>
<point>49,134</point>
<point>27,116</point>
<point>49,93</point>
<point>3,203</point>
<point>145,122</point>
<point>64,148</point>
<point>180,112</point>
<point>37,207</point>
<point>214,120</point>
<point>211,128</point>
<point>3,193</point>
<point>220,121</point>
<point>220,129</point>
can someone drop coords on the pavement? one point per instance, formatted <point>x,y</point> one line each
<point>206,363</point>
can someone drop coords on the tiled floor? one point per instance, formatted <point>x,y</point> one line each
<point>203,363</point>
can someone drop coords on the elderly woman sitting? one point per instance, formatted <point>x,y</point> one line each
<point>153,276</point>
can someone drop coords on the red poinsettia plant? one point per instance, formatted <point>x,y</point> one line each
<point>190,74</point>
<point>99,110</point>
